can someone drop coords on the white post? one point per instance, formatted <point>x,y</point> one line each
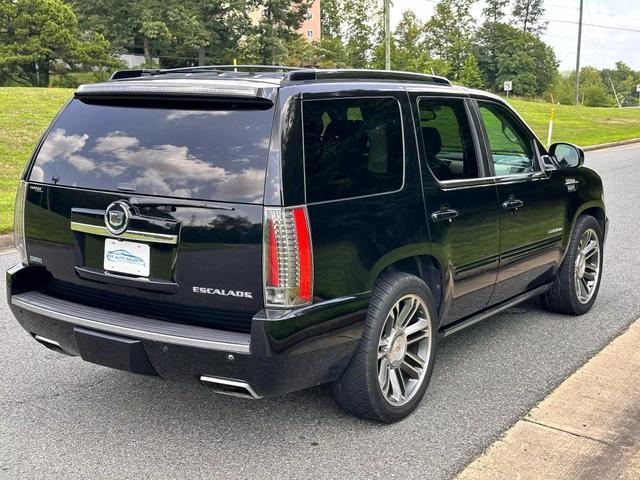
<point>553,111</point>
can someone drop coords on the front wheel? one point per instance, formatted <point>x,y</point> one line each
<point>577,282</point>
<point>390,371</point>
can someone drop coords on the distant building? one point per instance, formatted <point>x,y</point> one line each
<point>310,28</point>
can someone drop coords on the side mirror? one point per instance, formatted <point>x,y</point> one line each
<point>566,155</point>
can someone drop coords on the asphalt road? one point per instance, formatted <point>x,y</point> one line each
<point>61,417</point>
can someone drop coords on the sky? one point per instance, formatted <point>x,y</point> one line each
<point>601,47</point>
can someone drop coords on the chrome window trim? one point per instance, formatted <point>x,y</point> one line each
<point>493,180</point>
<point>404,148</point>
<point>128,235</point>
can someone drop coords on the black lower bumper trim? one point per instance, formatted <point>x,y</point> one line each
<point>112,351</point>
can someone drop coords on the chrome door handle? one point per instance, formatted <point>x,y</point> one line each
<point>513,204</point>
<point>444,214</point>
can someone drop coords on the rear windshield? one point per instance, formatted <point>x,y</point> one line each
<point>216,154</point>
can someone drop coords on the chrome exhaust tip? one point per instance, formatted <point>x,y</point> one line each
<point>226,386</point>
<point>50,344</point>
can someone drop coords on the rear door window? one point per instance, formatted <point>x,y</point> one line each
<point>352,147</point>
<point>214,154</point>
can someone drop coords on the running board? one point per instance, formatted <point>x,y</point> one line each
<point>461,325</point>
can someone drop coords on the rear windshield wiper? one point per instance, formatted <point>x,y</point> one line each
<point>176,202</point>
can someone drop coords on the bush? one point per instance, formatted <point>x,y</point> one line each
<point>65,80</point>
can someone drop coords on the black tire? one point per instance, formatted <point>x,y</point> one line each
<point>357,390</point>
<point>562,296</point>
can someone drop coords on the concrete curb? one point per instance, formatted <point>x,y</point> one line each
<point>588,427</point>
<point>611,144</point>
<point>6,241</point>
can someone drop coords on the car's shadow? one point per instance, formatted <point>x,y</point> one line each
<point>194,404</point>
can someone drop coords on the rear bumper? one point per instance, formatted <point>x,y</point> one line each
<point>285,351</point>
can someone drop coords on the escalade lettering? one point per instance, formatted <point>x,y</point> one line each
<point>222,292</point>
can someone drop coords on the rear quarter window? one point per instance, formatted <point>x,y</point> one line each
<point>213,154</point>
<point>352,147</point>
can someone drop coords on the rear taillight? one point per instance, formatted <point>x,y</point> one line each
<point>288,257</point>
<point>18,222</point>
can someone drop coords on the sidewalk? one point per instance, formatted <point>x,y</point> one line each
<point>589,427</point>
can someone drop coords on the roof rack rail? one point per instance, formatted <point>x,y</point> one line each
<point>267,68</point>
<point>136,73</point>
<point>310,74</point>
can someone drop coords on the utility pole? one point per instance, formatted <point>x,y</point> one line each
<point>578,55</point>
<point>387,35</point>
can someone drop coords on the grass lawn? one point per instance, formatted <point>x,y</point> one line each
<point>26,112</point>
<point>580,125</point>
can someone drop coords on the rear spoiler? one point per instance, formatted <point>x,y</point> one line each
<point>182,89</point>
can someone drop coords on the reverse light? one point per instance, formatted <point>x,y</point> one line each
<point>288,258</point>
<point>18,222</point>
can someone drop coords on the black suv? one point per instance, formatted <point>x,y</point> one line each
<point>261,231</point>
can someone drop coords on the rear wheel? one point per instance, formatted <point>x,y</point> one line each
<point>577,282</point>
<point>391,369</point>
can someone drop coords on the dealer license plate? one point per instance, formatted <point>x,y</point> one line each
<point>126,257</point>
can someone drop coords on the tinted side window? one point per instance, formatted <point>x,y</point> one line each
<point>447,138</point>
<point>511,146</point>
<point>352,147</point>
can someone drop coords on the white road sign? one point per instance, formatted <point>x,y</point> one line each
<point>638,88</point>
<point>508,86</point>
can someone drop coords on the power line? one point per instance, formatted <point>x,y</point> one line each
<point>624,29</point>
<point>602,57</point>
<point>595,12</point>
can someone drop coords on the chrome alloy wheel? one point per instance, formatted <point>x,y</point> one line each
<point>586,273</point>
<point>404,350</point>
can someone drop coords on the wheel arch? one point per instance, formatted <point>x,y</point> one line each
<point>594,209</point>
<point>424,266</point>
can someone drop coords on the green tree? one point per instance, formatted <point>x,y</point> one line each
<point>494,10</point>
<point>34,33</point>
<point>507,53</point>
<point>470,75</point>
<point>449,33</point>
<point>208,30</point>
<point>331,18</point>
<point>487,44</point>
<point>329,51</point>
<point>271,40</point>
<point>409,50</point>
<point>363,23</point>
<point>167,28</point>
<point>625,80</point>
<point>529,16</point>
<point>593,90</point>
